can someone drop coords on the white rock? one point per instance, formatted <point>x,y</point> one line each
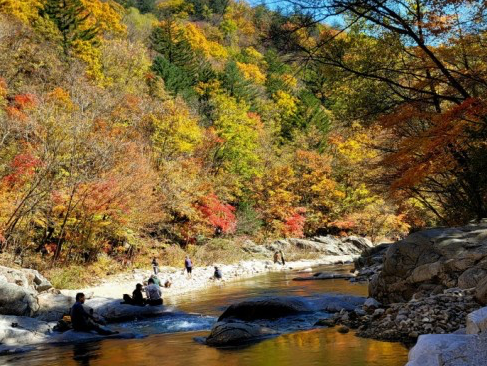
<point>372,303</point>
<point>437,349</point>
<point>477,321</point>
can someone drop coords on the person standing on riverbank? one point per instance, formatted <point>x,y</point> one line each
<point>188,265</point>
<point>155,266</point>
<point>217,275</point>
<point>276,257</point>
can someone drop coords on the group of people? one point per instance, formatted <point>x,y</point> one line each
<point>84,321</point>
<point>152,291</point>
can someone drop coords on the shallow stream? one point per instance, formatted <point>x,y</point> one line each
<point>170,341</point>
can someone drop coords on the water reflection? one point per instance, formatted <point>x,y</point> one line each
<point>311,348</point>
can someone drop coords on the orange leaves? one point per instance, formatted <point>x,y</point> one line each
<point>61,98</point>
<point>431,149</point>
<point>22,167</point>
<point>21,103</point>
<point>294,224</point>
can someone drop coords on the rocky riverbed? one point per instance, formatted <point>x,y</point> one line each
<point>430,285</point>
<point>31,307</point>
<point>405,322</point>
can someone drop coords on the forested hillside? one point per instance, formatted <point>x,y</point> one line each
<point>179,121</point>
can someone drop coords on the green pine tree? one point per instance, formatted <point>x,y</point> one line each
<point>176,79</point>
<point>169,41</point>
<point>69,16</point>
<point>235,83</point>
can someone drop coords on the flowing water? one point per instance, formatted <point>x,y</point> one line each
<point>170,339</point>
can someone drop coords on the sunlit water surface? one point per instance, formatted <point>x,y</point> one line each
<point>170,339</point>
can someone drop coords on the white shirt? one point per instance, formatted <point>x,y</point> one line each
<point>153,292</point>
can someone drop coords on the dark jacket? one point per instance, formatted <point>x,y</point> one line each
<point>137,297</point>
<point>79,317</point>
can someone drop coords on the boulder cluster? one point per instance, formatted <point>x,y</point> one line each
<point>431,261</point>
<point>253,320</point>
<point>405,322</point>
<point>19,291</point>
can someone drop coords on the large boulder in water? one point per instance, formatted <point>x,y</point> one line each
<point>430,261</point>
<point>236,334</point>
<point>112,310</point>
<point>17,300</point>
<point>325,276</point>
<point>271,308</point>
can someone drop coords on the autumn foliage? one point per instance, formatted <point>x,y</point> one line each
<point>124,123</point>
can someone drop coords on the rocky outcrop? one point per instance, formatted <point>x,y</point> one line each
<point>432,260</point>
<point>325,245</point>
<point>26,278</point>
<point>454,349</point>
<point>19,289</point>
<point>237,333</point>
<point>370,262</point>
<point>272,308</point>
<point>17,300</point>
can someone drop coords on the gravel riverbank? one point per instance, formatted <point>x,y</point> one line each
<point>202,277</point>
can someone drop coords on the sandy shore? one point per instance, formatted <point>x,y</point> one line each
<point>116,286</point>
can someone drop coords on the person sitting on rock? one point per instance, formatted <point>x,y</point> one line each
<point>218,274</point>
<point>84,322</point>
<point>153,293</point>
<point>137,297</point>
<point>155,279</point>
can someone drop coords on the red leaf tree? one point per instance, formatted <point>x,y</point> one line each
<point>219,215</point>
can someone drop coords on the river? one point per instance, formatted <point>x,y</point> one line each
<point>170,340</point>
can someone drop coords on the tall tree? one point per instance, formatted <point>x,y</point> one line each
<point>70,18</point>
<point>432,106</point>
